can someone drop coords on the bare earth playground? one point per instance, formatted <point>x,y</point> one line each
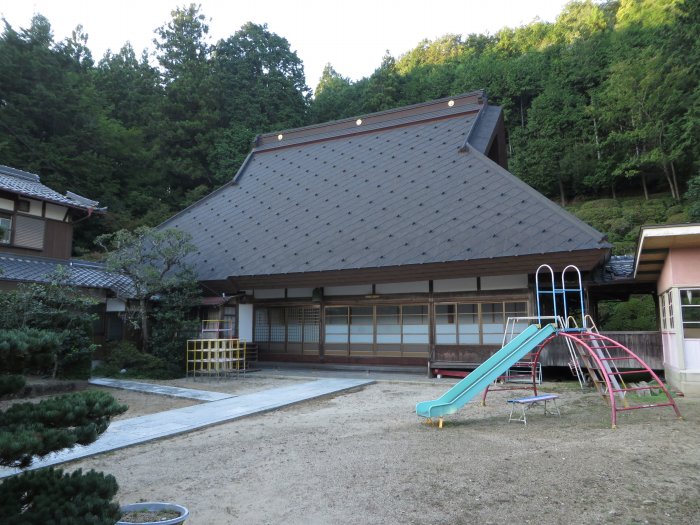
<point>362,456</point>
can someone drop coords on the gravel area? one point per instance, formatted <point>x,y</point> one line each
<point>364,457</point>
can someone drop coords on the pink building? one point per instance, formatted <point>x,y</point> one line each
<point>670,255</point>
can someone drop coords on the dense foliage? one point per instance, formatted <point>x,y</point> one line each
<point>126,361</point>
<point>47,329</point>
<point>11,383</point>
<point>36,429</point>
<point>603,102</point>
<point>53,496</point>
<point>164,287</point>
<point>143,140</point>
<point>29,430</point>
<point>636,314</point>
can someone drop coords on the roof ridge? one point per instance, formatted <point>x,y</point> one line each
<point>20,174</point>
<point>441,108</point>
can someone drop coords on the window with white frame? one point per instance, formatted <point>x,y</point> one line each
<point>690,312</point>
<point>664,312</point>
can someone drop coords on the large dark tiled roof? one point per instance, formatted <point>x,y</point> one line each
<point>407,190</point>
<point>29,185</point>
<point>21,268</point>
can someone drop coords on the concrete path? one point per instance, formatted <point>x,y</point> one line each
<point>128,432</point>
<point>150,388</point>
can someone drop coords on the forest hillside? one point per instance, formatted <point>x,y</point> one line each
<point>602,108</point>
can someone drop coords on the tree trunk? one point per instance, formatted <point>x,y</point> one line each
<point>562,195</point>
<point>644,186</point>
<point>522,113</point>
<point>597,141</point>
<point>675,181</point>
<point>143,307</point>
<point>612,188</point>
<point>667,173</point>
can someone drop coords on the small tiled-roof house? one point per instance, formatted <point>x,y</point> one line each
<point>36,238</point>
<point>391,238</point>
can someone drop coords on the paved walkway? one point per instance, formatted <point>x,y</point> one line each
<point>150,388</point>
<point>128,432</point>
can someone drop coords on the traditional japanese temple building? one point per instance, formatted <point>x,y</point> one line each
<point>395,237</point>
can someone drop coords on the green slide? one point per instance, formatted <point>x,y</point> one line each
<point>490,370</point>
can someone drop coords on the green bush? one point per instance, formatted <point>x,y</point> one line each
<point>52,496</point>
<point>125,360</point>
<point>692,196</point>
<point>11,384</point>
<point>75,363</point>
<point>674,210</point>
<point>621,219</point>
<point>46,496</point>
<point>35,429</point>
<point>678,218</point>
<point>606,204</point>
<point>25,350</point>
<point>619,225</point>
<point>58,308</point>
<point>636,314</point>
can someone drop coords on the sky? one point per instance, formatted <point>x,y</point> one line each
<point>352,35</point>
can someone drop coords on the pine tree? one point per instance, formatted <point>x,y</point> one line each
<point>28,430</point>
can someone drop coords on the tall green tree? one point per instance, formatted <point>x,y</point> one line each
<point>188,118</point>
<point>54,121</point>
<point>260,87</point>
<point>155,261</point>
<point>60,312</point>
<point>134,96</point>
<point>335,97</point>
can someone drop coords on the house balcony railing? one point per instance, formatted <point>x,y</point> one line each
<point>646,345</point>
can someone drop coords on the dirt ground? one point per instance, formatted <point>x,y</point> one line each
<point>363,457</point>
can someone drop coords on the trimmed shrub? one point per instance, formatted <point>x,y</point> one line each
<point>125,356</point>
<point>29,349</point>
<point>52,496</point>
<point>11,384</point>
<point>35,429</point>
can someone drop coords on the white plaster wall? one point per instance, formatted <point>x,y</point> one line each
<point>272,293</point>
<point>115,305</point>
<point>668,341</point>
<point>504,282</point>
<point>55,212</point>
<point>465,284</point>
<point>35,207</point>
<point>300,292</point>
<point>360,289</point>
<point>413,287</point>
<point>692,354</point>
<point>245,322</point>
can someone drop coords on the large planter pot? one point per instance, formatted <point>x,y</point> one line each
<point>155,507</point>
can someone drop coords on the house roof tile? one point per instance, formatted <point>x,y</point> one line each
<point>29,185</point>
<point>402,194</point>
<point>21,268</point>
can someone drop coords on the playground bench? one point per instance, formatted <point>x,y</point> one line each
<point>526,403</point>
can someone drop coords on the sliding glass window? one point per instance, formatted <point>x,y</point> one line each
<point>476,323</point>
<point>388,325</point>
<point>690,312</point>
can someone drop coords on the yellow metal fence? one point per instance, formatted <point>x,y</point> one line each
<point>215,357</point>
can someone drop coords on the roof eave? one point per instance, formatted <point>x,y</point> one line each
<point>587,260</point>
